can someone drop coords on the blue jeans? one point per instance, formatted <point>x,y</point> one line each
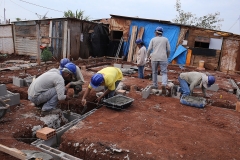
<point>140,72</point>
<point>184,87</point>
<point>163,65</point>
<point>111,94</point>
<point>49,98</point>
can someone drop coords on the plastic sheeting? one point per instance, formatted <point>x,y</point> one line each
<point>181,54</point>
<point>171,32</point>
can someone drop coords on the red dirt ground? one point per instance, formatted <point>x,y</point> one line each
<point>154,128</point>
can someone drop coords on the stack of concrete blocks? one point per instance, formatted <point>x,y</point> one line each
<point>22,82</point>
<point>46,145</point>
<point>10,98</point>
<point>46,133</point>
<point>146,91</point>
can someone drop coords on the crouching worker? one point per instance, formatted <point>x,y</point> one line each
<point>77,80</point>
<point>108,77</point>
<point>46,90</point>
<point>189,80</point>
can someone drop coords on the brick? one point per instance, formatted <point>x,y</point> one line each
<point>120,91</point>
<point>146,91</point>
<point>3,89</point>
<point>238,106</point>
<point>18,81</point>
<point>46,133</point>
<point>117,65</point>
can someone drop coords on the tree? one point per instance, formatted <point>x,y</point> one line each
<point>78,15</point>
<point>209,21</point>
<point>18,19</point>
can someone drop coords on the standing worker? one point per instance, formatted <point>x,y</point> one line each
<point>49,88</point>
<point>189,80</point>
<point>159,57</point>
<point>77,81</point>
<point>108,77</point>
<point>141,58</point>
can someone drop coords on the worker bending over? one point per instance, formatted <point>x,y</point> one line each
<point>108,77</point>
<point>46,90</point>
<point>77,80</point>
<point>189,80</point>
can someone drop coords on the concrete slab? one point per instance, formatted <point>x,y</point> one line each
<point>213,87</point>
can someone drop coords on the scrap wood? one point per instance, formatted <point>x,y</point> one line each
<point>13,152</point>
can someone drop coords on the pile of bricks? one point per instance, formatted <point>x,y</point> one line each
<point>8,97</point>
<point>46,133</point>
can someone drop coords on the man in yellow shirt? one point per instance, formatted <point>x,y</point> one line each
<point>108,77</point>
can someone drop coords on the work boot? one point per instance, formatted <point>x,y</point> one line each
<point>51,111</point>
<point>174,90</point>
<point>164,91</point>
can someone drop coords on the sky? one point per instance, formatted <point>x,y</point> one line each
<point>97,9</point>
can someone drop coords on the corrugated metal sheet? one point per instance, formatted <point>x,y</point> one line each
<point>25,40</point>
<point>229,55</point>
<point>6,39</point>
<point>26,46</point>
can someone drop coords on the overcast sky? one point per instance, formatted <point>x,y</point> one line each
<point>152,9</point>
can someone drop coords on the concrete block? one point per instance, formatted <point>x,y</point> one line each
<point>3,90</point>
<point>159,78</point>
<point>18,81</point>
<point>127,66</point>
<point>14,98</point>
<point>46,133</point>
<point>146,91</point>
<point>117,65</point>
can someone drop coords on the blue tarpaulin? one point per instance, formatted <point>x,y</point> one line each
<point>181,54</point>
<point>171,32</point>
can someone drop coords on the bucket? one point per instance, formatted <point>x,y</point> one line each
<point>201,64</point>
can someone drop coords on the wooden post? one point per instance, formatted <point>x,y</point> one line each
<point>139,36</point>
<point>38,43</point>
<point>50,34</point>
<point>68,44</point>
<point>64,40</point>
<point>132,41</point>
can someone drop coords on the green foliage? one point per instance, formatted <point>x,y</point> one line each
<point>18,19</point>
<point>78,15</point>
<point>209,21</point>
<point>46,55</point>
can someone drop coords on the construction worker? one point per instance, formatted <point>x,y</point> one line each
<point>108,77</point>
<point>46,90</point>
<point>189,80</point>
<point>77,80</point>
<point>141,58</point>
<point>160,48</point>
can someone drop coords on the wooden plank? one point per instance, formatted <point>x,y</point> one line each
<point>188,59</point>
<point>68,44</point>
<point>65,29</point>
<point>50,33</point>
<point>139,36</point>
<point>38,44</point>
<point>132,41</point>
<point>192,60</point>
<point>13,152</point>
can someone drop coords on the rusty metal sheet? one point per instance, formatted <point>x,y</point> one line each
<point>26,46</point>
<point>6,39</point>
<point>25,31</point>
<point>120,24</point>
<point>229,55</point>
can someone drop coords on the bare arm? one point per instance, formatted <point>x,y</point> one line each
<point>85,95</point>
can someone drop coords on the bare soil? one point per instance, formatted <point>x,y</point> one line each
<point>154,128</point>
